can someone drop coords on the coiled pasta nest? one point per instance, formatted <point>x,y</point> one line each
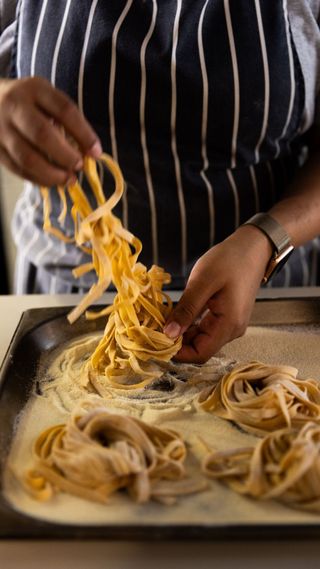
<point>97,453</point>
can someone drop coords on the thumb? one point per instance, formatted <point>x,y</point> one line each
<point>190,305</point>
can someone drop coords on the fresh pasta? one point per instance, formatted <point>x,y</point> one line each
<point>284,465</point>
<point>262,398</point>
<point>133,341</point>
<point>97,453</point>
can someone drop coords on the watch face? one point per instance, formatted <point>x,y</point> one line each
<point>277,261</point>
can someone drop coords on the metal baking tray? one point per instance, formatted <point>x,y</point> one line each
<point>44,329</point>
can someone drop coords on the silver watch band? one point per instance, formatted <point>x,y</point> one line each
<point>272,229</point>
<point>278,237</point>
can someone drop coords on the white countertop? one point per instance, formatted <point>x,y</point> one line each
<point>141,555</point>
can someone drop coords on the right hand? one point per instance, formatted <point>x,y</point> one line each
<point>218,300</point>
<point>32,142</point>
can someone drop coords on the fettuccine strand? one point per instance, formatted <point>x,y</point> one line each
<point>133,340</point>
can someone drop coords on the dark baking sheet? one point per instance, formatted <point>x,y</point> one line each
<point>44,329</point>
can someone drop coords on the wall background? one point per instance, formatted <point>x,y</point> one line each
<point>10,189</point>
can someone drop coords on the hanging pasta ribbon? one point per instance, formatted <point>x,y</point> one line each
<point>98,453</point>
<point>261,398</point>
<point>284,466</point>
<point>133,341</point>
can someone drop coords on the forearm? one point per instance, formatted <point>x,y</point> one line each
<point>299,210</point>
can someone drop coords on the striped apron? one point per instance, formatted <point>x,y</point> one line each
<point>199,101</point>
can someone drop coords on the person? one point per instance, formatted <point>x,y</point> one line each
<point>211,109</point>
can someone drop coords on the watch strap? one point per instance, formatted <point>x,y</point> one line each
<point>272,229</point>
<point>280,240</point>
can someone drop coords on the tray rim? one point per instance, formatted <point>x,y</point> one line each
<point>31,527</point>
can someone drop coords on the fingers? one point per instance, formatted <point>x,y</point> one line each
<point>190,305</point>
<point>39,130</point>
<point>203,342</point>
<point>224,282</point>
<point>213,332</point>
<point>43,135</point>
<point>31,164</point>
<point>66,113</point>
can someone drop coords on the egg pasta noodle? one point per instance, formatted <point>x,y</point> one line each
<point>97,453</point>
<point>133,342</point>
<point>262,398</point>
<point>284,465</point>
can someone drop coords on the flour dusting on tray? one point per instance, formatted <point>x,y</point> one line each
<point>170,402</point>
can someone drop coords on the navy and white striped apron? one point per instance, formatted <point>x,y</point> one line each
<point>199,101</point>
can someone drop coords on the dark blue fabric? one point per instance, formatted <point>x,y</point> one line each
<point>189,108</point>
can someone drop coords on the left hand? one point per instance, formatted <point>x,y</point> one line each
<point>216,305</point>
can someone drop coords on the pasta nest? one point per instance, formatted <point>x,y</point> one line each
<point>262,398</point>
<point>97,453</point>
<point>284,465</point>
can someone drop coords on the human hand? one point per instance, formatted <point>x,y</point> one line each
<point>216,305</point>
<point>32,142</point>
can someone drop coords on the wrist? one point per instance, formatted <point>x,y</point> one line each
<point>255,243</point>
<point>279,241</point>
<point>253,248</point>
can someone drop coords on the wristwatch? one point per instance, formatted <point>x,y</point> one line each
<point>279,239</point>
